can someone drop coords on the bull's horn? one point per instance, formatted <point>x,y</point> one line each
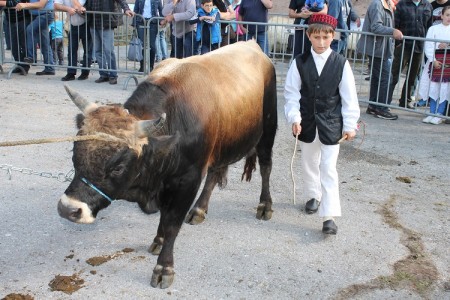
<point>84,105</point>
<point>149,127</point>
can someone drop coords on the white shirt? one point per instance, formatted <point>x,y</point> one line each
<point>76,19</point>
<point>347,91</point>
<point>147,13</point>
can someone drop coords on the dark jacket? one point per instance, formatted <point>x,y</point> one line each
<point>320,102</point>
<point>13,16</point>
<point>156,9</point>
<point>106,21</point>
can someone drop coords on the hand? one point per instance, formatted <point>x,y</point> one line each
<point>71,11</point>
<point>163,23</point>
<point>296,128</point>
<point>21,6</point>
<point>442,45</point>
<point>437,64</point>
<point>358,22</point>
<point>129,13</point>
<point>169,18</point>
<point>348,135</point>
<point>398,35</point>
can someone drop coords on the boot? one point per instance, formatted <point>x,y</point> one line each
<point>141,68</point>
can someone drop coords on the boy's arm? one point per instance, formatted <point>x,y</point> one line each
<point>292,97</point>
<point>350,104</point>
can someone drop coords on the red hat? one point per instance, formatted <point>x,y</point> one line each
<point>323,19</point>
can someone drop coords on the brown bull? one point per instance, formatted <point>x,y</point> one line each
<point>191,117</point>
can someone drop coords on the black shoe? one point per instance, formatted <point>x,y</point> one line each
<point>45,73</point>
<point>113,80</point>
<point>312,206</point>
<point>19,71</point>
<point>367,78</point>
<point>102,79</point>
<point>68,77</point>
<point>329,227</point>
<point>384,114</point>
<point>83,76</point>
<point>29,60</point>
<point>370,110</point>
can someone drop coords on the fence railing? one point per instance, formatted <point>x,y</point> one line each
<point>281,38</point>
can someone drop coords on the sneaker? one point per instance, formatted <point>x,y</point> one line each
<point>436,121</point>
<point>68,77</point>
<point>366,72</point>
<point>427,119</point>
<point>102,79</point>
<point>83,76</point>
<point>370,110</point>
<point>384,114</point>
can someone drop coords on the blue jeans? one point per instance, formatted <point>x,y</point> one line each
<point>152,33</point>
<point>161,45</point>
<point>184,46</point>
<point>37,32</point>
<point>380,81</point>
<point>76,34</point>
<point>262,40</point>
<point>103,43</point>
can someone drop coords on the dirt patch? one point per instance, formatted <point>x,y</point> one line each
<point>99,260</point>
<point>18,297</point>
<point>404,179</point>
<point>416,272</point>
<point>66,284</point>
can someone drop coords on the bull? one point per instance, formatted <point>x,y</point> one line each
<point>191,118</point>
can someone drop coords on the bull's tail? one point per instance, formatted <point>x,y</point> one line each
<point>250,166</point>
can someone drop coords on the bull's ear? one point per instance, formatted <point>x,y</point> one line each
<point>148,128</point>
<point>79,120</point>
<point>164,145</point>
<point>84,105</point>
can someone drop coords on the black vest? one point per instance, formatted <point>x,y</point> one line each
<point>320,102</point>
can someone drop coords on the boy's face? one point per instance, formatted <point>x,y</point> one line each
<point>207,7</point>
<point>321,41</point>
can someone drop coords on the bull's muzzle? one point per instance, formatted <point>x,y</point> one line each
<point>75,210</point>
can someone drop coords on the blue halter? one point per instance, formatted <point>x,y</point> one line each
<point>92,186</point>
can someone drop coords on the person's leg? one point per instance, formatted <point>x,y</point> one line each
<point>153,34</point>
<point>330,202</point>
<point>109,53</point>
<point>163,44</point>
<point>158,55</point>
<point>73,50</point>
<point>141,34</point>
<point>32,38</point>
<point>96,35</point>
<point>310,160</point>
<point>188,44</point>
<point>408,86</point>
<point>396,70</point>
<point>60,50</point>
<point>44,21</point>
<point>263,41</point>
<point>84,35</point>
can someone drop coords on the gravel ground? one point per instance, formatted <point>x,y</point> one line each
<point>393,239</point>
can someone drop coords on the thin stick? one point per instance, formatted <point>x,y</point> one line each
<point>292,166</point>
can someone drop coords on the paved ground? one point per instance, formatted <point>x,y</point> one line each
<point>393,239</point>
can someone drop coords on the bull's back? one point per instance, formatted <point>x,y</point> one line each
<point>224,91</point>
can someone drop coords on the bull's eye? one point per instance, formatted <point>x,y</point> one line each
<point>118,171</point>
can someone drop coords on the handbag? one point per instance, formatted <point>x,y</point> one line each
<point>135,49</point>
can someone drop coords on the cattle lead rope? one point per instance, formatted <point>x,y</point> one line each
<point>98,136</point>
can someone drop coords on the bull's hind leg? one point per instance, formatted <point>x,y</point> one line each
<point>198,213</point>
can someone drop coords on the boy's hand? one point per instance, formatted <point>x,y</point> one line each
<point>296,128</point>
<point>348,135</point>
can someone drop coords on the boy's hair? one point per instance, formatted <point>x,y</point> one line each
<point>206,1</point>
<point>318,27</point>
<point>444,9</point>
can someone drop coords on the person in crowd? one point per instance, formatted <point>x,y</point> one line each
<point>57,37</point>
<point>255,11</point>
<point>38,33</point>
<point>435,79</point>
<point>78,32</point>
<point>149,10</point>
<point>301,15</point>
<point>412,18</point>
<point>335,9</point>
<point>102,32</point>
<point>349,15</point>
<point>438,5</point>
<point>208,27</point>
<point>18,22</point>
<point>6,29</point>
<point>227,13</point>
<point>379,49</point>
<point>179,12</point>
<point>322,106</point>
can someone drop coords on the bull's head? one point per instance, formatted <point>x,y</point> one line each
<point>104,169</point>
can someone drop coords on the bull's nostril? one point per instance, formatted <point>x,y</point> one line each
<point>76,213</point>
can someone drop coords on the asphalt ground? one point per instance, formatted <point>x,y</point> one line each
<point>393,240</point>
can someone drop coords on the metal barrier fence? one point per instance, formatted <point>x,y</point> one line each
<point>281,39</point>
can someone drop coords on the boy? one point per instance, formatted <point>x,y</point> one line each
<point>56,32</point>
<point>322,106</point>
<point>208,27</point>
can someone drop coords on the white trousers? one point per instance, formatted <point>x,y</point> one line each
<point>320,177</point>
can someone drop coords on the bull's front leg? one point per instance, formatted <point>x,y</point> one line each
<point>264,210</point>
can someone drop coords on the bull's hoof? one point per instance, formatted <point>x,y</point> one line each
<point>195,216</point>
<point>264,212</point>
<point>156,246</point>
<point>162,277</point>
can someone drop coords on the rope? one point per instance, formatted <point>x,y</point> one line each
<point>292,167</point>
<point>98,136</point>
